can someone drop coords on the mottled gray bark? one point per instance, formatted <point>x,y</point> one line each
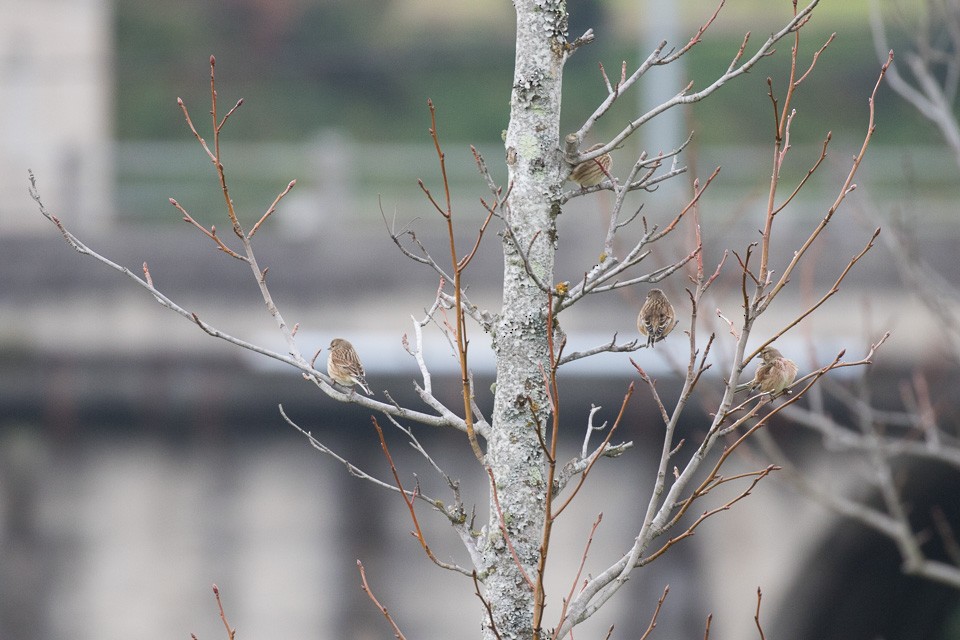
<point>520,339</point>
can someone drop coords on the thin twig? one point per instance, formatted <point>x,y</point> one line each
<point>211,233</point>
<point>408,500</point>
<point>736,69</point>
<point>596,456</point>
<point>458,266</point>
<point>386,614</point>
<point>756,616</point>
<point>231,632</point>
<point>486,605</point>
<point>689,531</point>
<point>271,208</point>
<point>656,612</point>
<point>503,530</point>
<point>846,188</point>
<point>583,561</point>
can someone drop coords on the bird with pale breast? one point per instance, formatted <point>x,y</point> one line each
<point>592,172</point>
<point>343,365</point>
<point>773,375</point>
<point>657,318</point>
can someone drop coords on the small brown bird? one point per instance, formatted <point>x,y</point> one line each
<point>591,172</point>
<point>773,375</point>
<point>657,318</point>
<point>343,365</point>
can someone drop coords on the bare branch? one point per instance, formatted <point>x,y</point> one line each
<point>231,632</point>
<point>892,526</point>
<point>656,612</point>
<point>756,616</point>
<point>610,347</point>
<point>271,208</point>
<point>458,265</point>
<point>576,579</point>
<point>684,98</point>
<point>212,233</point>
<point>486,605</point>
<point>845,189</point>
<point>386,614</point>
<point>593,459</point>
<point>408,500</point>
<point>693,41</point>
<point>715,481</point>
<point>932,99</point>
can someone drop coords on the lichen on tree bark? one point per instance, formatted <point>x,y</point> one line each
<point>520,340</point>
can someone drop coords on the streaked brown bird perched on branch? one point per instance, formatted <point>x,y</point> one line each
<point>656,319</point>
<point>773,375</point>
<point>343,365</point>
<point>591,172</point>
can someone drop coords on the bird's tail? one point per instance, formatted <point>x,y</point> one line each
<point>363,385</point>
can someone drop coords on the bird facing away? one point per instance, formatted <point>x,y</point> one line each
<point>773,375</point>
<point>656,319</point>
<point>343,365</point>
<point>591,172</point>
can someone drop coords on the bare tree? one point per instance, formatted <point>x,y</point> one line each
<point>934,65</point>
<point>517,447</point>
<point>933,62</point>
<point>892,443</point>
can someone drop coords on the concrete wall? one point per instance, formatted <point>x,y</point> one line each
<point>56,110</point>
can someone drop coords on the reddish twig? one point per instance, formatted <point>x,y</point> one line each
<point>813,60</point>
<point>271,208</point>
<point>538,429</point>
<point>386,614</point>
<point>458,266</point>
<point>593,460</point>
<point>486,605</point>
<point>408,499</point>
<point>810,172</point>
<point>248,254</point>
<point>689,531</point>
<point>656,612</point>
<point>782,120</point>
<point>756,616</point>
<point>553,395</point>
<point>146,275</point>
<point>809,310</point>
<point>231,632</point>
<point>211,233</point>
<point>846,188</point>
<point>503,530</point>
<point>214,154</point>
<point>690,205</point>
<point>694,40</point>
<point>576,579</point>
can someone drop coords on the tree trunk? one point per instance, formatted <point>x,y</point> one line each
<point>520,340</point>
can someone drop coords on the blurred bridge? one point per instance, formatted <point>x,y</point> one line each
<point>137,448</point>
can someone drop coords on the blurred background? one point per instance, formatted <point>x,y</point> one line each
<point>141,460</point>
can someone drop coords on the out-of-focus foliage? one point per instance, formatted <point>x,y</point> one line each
<point>368,66</point>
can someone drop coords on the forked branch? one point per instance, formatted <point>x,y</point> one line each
<point>458,265</point>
